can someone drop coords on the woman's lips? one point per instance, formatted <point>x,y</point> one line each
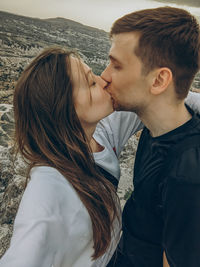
<point>113,101</point>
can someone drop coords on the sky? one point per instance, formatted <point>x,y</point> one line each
<point>96,13</point>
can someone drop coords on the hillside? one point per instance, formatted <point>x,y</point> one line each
<point>194,3</point>
<point>21,38</point>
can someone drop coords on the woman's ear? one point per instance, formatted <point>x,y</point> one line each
<point>162,78</point>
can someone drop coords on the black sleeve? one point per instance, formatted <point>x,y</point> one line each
<point>181,235</point>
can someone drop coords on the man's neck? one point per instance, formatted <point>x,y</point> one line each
<point>163,118</point>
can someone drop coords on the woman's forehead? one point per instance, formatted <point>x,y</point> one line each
<point>79,71</point>
<point>78,64</point>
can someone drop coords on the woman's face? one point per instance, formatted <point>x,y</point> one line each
<point>92,102</point>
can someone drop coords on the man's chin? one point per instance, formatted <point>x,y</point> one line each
<point>117,106</point>
<point>117,109</point>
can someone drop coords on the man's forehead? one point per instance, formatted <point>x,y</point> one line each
<point>123,46</point>
<point>125,39</point>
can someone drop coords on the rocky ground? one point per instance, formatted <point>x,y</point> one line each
<point>22,38</point>
<point>13,173</point>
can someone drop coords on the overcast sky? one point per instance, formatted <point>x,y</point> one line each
<point>96,13</point>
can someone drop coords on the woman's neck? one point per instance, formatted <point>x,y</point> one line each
<point>95,147</point>
<point>89,131</point>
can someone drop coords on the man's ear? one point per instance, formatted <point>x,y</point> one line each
<point>162,77</point>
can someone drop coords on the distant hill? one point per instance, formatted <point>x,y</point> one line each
<point>195,3</point>
<point>22,38</point>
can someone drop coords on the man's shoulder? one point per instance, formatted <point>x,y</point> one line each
<point>185,160</point>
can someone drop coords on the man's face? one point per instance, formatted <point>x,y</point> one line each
<point>128,86</point>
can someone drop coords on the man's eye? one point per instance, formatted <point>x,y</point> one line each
<point>116,67</point>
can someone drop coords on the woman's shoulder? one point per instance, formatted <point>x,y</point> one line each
<point>47,180</point>
<point>47,176</point>
<point>48,192</point>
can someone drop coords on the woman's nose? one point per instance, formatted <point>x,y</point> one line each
<point>102,82</point>
<point>106,76</point>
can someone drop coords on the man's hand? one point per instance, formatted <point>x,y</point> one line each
<point>165,262</point>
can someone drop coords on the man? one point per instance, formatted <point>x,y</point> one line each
<point>154,57</point>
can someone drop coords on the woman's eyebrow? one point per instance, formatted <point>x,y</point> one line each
<point>88,72</point>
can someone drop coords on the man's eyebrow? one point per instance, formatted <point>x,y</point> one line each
<point>113,59</point>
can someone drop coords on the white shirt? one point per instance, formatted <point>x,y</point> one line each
<point>52,227</point>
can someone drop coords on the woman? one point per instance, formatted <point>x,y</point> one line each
<point>69,213</point>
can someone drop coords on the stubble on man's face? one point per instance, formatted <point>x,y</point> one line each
<point>125,73</point>
<point>118,105</point>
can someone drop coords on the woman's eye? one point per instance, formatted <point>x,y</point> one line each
<point>93,83</point>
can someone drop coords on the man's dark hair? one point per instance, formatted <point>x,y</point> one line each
<point>169,37</point>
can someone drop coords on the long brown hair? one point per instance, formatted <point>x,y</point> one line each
<point>169,37</point>
<point>48,132</point>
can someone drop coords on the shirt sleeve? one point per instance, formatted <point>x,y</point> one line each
<point>36,230</point>
<point>119,127</point>
<point>193,101</point>
<point>181,236</point>
<point>29,245</point>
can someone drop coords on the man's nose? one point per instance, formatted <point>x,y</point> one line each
<point>106,76</point>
